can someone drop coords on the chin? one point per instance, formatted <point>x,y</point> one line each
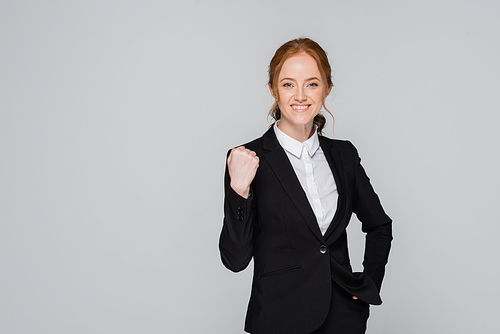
<point>304,120</point>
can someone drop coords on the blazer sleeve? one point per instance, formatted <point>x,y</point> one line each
<point>236,238</point>
<point>375,223</point>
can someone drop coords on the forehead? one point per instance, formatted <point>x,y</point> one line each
<point>300,66</point>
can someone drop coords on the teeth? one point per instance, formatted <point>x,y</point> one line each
<point>300,107</point>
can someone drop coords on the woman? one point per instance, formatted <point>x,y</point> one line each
<point>289,196</point>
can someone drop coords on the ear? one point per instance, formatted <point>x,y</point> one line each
<point>272,91</point>
<point>329,90</point>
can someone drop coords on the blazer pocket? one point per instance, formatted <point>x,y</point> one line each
<point>279,271</point>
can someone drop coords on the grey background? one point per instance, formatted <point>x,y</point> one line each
<point>115,117</point>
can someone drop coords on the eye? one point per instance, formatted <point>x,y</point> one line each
<point>313,84</point>
<point>287,85</point>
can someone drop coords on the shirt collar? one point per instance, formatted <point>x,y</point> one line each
<point>294,146</point>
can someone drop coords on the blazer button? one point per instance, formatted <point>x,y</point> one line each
<point>240,213</point>
<point>323,249</point>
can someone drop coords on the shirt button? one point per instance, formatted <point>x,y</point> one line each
<point>323,249</point>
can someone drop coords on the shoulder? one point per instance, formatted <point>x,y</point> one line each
<point>340,142</point>
<point>268,139</point>
<point>254,145</point>
<point>342,145</point>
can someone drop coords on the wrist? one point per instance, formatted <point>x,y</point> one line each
<point>241,190</point>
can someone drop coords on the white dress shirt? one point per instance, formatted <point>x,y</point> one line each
<point>314,174</point>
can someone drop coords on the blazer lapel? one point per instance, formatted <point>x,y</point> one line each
<point>282,168</point>
<point>333,158</point>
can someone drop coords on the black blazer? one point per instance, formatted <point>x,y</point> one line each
<point>293,262</point>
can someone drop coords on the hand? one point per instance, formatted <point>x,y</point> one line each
<point>242,165</point>
<point>354,297</point>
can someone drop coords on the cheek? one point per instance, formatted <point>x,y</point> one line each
<point>318,96</point>
<point>285,96</point>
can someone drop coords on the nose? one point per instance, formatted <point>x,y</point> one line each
<point>301,94</point>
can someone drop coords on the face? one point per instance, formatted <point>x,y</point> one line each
<point>301,92</point>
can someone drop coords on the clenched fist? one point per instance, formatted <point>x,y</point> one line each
<point>242,165</point>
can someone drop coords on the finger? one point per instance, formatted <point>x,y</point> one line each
<point>236,149</point>
<point>354,297</point>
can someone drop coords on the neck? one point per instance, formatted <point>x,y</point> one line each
<point>297,132</point>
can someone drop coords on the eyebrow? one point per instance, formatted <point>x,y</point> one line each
<point>291,79</point>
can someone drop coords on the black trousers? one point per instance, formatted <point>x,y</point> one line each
<point>346,315</point>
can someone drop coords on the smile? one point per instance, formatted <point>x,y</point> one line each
<point>296,107</point>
